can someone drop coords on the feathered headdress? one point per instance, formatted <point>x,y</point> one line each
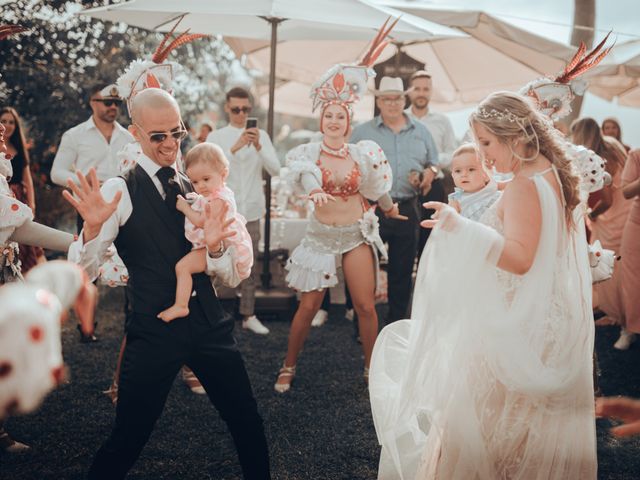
<point>155,72</point>
<point>345,83</point>
<point>553,96</point>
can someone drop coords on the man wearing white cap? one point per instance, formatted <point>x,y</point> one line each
<point>94,143</point>
<point>412,154</point>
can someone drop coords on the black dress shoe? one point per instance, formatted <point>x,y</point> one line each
<point>86,338</point>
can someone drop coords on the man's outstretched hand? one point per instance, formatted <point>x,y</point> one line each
<point>90,203</point>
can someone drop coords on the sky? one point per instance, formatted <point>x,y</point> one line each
<point>553,19</point>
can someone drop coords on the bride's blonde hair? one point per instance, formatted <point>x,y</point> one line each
<point>512,118</point>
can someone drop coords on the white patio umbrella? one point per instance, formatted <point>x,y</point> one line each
<point>494,55</point>
<point>618,75</point>
<point>268,20</point>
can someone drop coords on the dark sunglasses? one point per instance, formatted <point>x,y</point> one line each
<point>159,137</point>
<point>237,110</point>
<point>178,135</point>
<point>108,102</point>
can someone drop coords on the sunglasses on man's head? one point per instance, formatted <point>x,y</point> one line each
<point>237,110</point>
<point>107,102</point>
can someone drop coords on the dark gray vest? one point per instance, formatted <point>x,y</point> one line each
<point>150,243</point>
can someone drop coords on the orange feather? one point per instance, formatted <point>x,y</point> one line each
<point>151,81</point>
<point>178,42</point>
<point>164,41</point>
<point>338,82</point>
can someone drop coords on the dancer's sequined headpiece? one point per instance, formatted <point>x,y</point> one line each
<point>344,84</point>
<point>553,96</point>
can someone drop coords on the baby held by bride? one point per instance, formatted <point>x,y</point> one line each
<point>474,190</point>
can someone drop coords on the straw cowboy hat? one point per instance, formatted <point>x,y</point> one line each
<point>391,86</point>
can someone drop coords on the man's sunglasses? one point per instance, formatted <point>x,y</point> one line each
<point>108,102</point>
<point>237,110</point>
<point>159,137</point>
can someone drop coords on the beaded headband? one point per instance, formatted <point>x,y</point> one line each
<point>511,118</point>
<point>499,115</point>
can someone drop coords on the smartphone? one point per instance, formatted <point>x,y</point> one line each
<point>252,122</point>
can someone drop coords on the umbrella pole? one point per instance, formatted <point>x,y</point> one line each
<point>266,274</point>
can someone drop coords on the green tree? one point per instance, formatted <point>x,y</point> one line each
<point>46,72</point>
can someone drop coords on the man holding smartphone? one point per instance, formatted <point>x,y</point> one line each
<point>249,151</point>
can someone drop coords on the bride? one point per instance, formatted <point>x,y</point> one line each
<point>492,377</point>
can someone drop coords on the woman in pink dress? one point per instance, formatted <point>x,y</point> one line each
<point>607,228</point>
<point>606,220</point>
<point>630,249</point>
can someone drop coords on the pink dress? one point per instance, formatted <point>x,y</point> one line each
<point>630,248</point>
<point>241,241</point>
<point>608,229</point>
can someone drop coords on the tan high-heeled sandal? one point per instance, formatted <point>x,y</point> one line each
<point>285,372</point>
<point>112,392</point>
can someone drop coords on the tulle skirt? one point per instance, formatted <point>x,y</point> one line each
<point>491,378</point>
<point>313,264</point>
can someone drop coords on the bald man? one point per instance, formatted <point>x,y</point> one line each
<point>137,212</point>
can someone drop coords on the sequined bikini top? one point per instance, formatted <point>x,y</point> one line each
<point>349,186</point>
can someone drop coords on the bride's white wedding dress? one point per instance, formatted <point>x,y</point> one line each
<point>492,377</point>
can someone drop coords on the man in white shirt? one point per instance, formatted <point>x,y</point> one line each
<point>94,143</point>
<point>437,123</point>
<point>138,213</point>
<point>249,151</point>
<point>442,132</point>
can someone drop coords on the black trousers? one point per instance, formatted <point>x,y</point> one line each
<point>402,239</point>
<point>436,194</point>
<point>154,354</point>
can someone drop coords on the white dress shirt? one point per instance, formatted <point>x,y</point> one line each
<point>92,254</point>
<point>83,147</point>
<point>442,132</point>
<point>245,169</point>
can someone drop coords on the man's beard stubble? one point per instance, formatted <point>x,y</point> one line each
<point>420,102</point>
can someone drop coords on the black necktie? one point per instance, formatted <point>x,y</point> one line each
<point>167,177</point>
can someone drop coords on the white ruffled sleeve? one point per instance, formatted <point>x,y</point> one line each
<point>301,162</point>
<point>375,169</point>
<point>13,214</point>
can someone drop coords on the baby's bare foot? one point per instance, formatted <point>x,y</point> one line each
<point>171,313</point>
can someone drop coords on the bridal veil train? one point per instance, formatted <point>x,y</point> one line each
<point>492,376</point>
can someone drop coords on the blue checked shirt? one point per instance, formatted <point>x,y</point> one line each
<point>411,149</point>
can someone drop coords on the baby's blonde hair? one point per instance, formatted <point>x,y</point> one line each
<point>208,153</point>
<point>467,148</point>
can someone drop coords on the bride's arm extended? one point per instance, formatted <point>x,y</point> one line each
<point>522,224</point>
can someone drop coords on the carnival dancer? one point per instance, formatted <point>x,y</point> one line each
<point>343,230</point>
<point>17,226</point>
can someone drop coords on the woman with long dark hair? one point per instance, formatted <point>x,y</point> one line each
<point>21,182</point>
